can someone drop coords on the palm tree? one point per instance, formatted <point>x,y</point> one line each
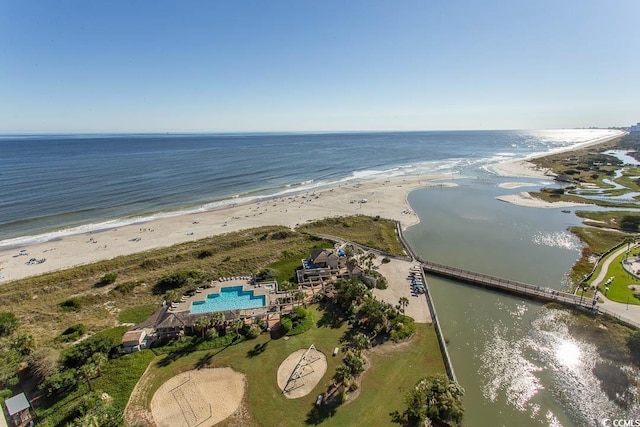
<point>216,319</point>
<point>99,359</point>
<point>298,296</point>
<point>404,302</point>
<point>236,325</point>
<point>171,296</point>
<point>88,371</point>
<point>360,342</point>
<point>202,324</point>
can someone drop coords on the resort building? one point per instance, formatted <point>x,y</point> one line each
<point>18,410</point>
<point>235,298</point>
<point>133,341</point>
<point>325,265</point>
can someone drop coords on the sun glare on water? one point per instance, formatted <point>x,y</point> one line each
<point>568,354</point>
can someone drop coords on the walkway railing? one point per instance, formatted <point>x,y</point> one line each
<point>510,286</point>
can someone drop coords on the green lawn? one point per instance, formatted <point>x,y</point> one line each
<point>394,369</point>
<point>137,314</point>
<point>619,289</point>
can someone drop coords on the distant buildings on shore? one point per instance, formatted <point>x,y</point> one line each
<point>635,128</point>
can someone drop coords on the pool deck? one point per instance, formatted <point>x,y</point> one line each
<point>215,286</point>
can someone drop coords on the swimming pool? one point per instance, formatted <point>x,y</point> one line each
<point>229,298</point>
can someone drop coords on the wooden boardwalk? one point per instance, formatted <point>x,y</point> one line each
<point>509,286</point>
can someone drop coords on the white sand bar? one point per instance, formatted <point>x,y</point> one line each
<point>526,199</point>
<point>200,397</point>
<point>512,185</point>
<point>386,198</point>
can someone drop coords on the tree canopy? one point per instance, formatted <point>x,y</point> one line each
<point>437,399</point>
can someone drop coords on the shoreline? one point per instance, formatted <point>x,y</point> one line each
<point>525,169</point>
<point>384,197</point>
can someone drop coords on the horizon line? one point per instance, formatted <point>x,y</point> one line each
<point>284,132</point>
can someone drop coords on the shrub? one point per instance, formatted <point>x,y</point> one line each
<point>251,331</point>
<point>23,343</point>
<point>127,287</point>
<point>285,325</point>
<point>281,235</point>
<point>205,254</point>
<point>43,362</point>
<point>8,323</point>
<point>72,304</point>
<point>300,320</point>
<point>80,353</point>
<point>59,383</point>
<point>107,279</point>
<point>72,333</point>
<point>437,399</point>
<point>403,328</point>
<point>177,280</point>
<point>386,260</point>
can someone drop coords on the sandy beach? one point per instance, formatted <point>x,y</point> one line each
<point>387,198</point>
<point>526,169</point>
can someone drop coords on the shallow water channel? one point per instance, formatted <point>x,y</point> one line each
<point>516,359</point>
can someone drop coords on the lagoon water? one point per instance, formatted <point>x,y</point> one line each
<point>516,360</point>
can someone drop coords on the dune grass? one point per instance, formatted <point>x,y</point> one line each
<point>376,232</point>
<point>35,301</point>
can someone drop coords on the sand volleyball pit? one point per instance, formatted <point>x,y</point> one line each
<point>301,372</point>
<point>202,397</point>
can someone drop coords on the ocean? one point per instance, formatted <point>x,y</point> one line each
<point>55,185</point>
<point>509,354</point>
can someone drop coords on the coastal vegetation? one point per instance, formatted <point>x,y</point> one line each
<point>587,164</point>
<point>597,241</point>
<point>374,232</point>
<point>259,359</point>
<point>433,398</point>
<point>590,172</point>
<point>60,335</point>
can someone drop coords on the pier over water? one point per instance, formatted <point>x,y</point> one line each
<point>509,286</point>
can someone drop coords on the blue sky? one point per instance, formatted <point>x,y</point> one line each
<point>156,66</point>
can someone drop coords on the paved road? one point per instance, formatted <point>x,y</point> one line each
<point>629,313</point>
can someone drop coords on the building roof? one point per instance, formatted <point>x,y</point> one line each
<point>133,336</point>
<point>322,256</point>
<point>171,320</point>
<point>17,403</point>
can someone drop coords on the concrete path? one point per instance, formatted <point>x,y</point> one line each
<point>627,312</point>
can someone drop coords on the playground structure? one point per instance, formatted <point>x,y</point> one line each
<point>303,368</point>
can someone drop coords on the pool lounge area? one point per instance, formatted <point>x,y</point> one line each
<point>229,298</point>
